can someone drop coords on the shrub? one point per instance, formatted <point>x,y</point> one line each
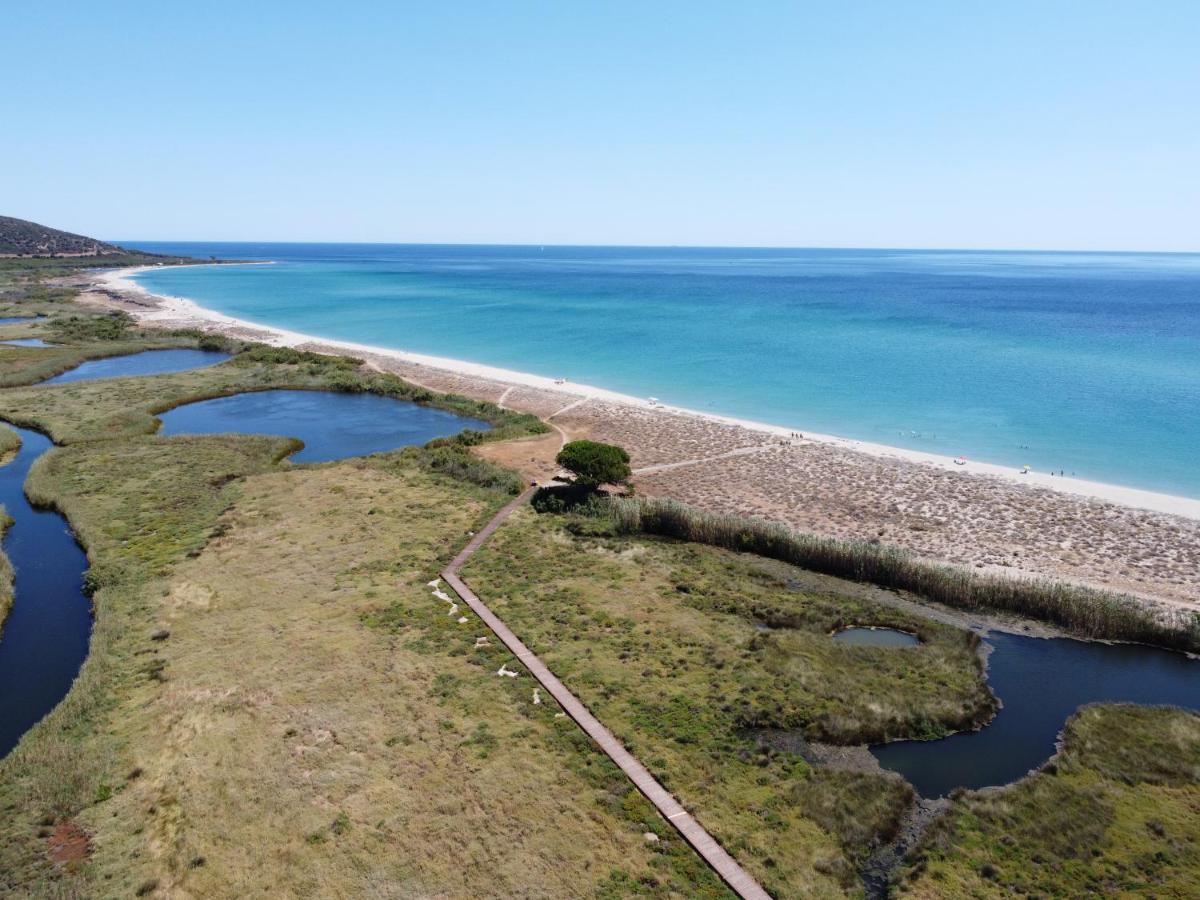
<point>457,462</point>
<point>111,327</point>
<point>593,463</point>
<point>286,356</point>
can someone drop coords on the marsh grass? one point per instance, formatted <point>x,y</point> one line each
<point>312,539</point>
<point>6,572</point>
<point>135,507</point>
<point>1113,814</point>
<point>662,640</point>
<point>10,443</point>
<point>1083,611</point>
<point>230,660</point>
<point>30,365</point>
<point>125,407</point>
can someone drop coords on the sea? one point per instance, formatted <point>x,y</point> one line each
<point>1081,363</point>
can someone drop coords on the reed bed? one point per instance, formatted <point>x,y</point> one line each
<point>1084,611</point>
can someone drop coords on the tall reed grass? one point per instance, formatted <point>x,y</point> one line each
<point>1084,611</point>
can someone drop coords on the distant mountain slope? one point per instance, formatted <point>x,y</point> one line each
<point>21,238</point>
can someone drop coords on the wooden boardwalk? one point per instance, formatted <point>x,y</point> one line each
<point>693,832</point>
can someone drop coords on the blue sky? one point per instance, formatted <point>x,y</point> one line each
<point>1045,125</point>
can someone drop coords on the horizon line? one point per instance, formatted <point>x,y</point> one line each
<point>650,246</point>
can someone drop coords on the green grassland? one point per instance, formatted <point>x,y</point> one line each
<point>379,761</point>
<point>663,640</point>
<point>1116,813</point>
<point>272,740</point>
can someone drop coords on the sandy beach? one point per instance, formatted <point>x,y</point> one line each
<point>976,514</point>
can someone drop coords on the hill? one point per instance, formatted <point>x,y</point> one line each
<point>20,238</point>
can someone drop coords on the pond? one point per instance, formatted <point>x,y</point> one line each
<point>26,342</point>
<point>45,640</point>
<point>332,426</point>
<point>1040,682</point>
<point>148,362</point>
<point>19,320</point>
<point>858,636</point>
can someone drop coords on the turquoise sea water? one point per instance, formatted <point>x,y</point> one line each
<point>1083,362</point>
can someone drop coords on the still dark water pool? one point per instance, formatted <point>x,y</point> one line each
<point>148,362</point>
<point>45,640</point>
<point>332,426</point>
<point>1041,683</point>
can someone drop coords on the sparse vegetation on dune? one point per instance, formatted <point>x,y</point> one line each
<point>1083,611</point>
<point>1117,812</point>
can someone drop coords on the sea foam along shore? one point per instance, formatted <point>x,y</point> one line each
<point>120,281</point>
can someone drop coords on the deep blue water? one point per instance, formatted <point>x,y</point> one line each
<point>1084,362</point>
<point>45,638</point>
<point>1041,683</point>
<point>147,362</point>
<point>332,426</point>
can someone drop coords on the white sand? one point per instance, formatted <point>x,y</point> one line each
<point>180,307</point>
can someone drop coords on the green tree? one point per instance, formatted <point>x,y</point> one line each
<point>593,463</point>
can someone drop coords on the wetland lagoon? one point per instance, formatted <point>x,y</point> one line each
<point>1041,682</point>
<point>44,640</point>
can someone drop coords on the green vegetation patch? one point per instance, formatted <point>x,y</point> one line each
<point>1117,812</point>
<point>1084,611</point>
<point>664,641</point>
<point>126,407</point>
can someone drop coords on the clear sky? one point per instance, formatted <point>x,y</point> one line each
<point>898,124</point>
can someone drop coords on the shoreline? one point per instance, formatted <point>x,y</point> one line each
<point>166,306</point>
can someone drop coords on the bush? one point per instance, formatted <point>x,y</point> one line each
<point>286,356</point>
<point>457,462</point>
<point>77,329</point>
<point>560,498</point>
<point>593,463</point>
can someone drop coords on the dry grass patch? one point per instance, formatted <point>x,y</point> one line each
<point>299,752</point>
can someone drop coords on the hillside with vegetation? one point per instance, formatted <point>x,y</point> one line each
<point>21,238</point>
